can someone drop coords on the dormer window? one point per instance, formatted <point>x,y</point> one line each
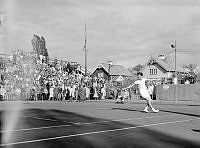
<point>153,71</point>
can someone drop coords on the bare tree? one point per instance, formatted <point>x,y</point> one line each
<point>190,67</point>
<point>136,69</point>
<point>191,72</point>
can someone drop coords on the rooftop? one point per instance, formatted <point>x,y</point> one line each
<point>116,69</point>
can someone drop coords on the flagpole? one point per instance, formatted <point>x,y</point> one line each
<point>175,54</point>
<point>85,50</point>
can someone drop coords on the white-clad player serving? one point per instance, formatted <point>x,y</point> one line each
<point>144,92</point>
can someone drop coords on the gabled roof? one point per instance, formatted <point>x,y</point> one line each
<point>165,65</point>
<point>115,69</point>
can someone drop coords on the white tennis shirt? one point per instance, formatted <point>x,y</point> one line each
<point>142,87</point>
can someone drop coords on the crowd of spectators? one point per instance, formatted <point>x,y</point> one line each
<point>32,79</point>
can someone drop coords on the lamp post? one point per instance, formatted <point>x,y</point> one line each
<point>173,46</point>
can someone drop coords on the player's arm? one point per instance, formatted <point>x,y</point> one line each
<point>146,79</point>
<point>129,86</point>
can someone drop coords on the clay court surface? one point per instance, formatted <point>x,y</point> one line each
<point>99,124</point>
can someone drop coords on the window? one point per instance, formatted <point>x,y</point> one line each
<point>100,75</point>
<point>153,72</point>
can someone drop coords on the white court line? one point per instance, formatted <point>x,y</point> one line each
<point>97,132</point>
<point>67,125</point>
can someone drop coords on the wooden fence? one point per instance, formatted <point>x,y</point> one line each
<point>180,92</point>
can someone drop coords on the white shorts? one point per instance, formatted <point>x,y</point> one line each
<point>51,95</point>
<point>145,95</point>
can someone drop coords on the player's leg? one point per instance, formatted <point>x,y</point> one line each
<point>149,101</point>
<point>149,104</point>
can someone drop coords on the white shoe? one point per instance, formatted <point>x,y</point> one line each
<point>155,110</point>
<point>146,110</point>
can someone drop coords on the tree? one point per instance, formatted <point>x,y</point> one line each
<point>191,72</point>
<point>190,67</point>
<point>136,69</point>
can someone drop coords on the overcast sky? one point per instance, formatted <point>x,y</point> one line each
<point>126,32</point>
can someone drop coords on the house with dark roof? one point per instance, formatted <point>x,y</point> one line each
<point>158,68</point>
<point>113,72</point>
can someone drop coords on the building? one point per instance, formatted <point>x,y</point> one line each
<point>114,73</point>
<point>160,69</point>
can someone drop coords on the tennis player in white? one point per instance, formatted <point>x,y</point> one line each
<point>144,92</point>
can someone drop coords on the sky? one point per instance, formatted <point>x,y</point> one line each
<point>126,32</point>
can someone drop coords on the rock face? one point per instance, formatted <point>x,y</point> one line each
<point>39,48</point>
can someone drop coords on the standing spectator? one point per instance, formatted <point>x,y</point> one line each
<point>187,81</point>
<point>76,91</point>
<point>87,93</point>
<point>48,89</point>
<point>64,91</point>
<point>95,94</point>
<point>45,93</point>
<point>2,93</point>
<point>37,92</point>
<point>59,93</point>
<point>120,98</point>
<point>154,90</point>
<point>103,92</point>
<point>55,92</point>
<point>42,93</point>
<point>67,93</point>
<point>129,92</point>
<point>32,94</point>
<point>51,92</point>
<point>125,94</point>
<point>91,93</point>
<point>150,89</point>
<point>72,92</point>
<point>82,93</point>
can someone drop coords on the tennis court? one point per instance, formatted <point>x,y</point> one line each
<point>101,124</point>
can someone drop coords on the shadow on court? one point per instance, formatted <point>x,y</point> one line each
<point>174,112</point>
<point>138,137</point>
<point>194,105</point>
<point>181,113</point>
<point>127,109</point>
<point>195,130</point>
